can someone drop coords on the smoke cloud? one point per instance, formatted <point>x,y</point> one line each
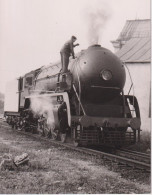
<point>96,20</point>
<point>43,106</point>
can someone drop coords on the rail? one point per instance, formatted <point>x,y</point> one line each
<point>145,158</point>
<point>120,160</point>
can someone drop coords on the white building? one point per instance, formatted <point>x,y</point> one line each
<point>133,47</point>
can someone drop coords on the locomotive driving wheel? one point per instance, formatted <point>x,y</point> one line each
<point>54,134</point>
<point>63,137</point>
<point>40,129</point>
<point>75,135</point>
<point>44,129</point>
<point>75,143</point>
<point>20,125</point>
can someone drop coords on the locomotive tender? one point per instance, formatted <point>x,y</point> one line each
<point>87,103</point>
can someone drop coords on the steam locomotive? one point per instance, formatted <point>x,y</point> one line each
<point>87,103</point>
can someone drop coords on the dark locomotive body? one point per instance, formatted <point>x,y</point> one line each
<point>88,101</point>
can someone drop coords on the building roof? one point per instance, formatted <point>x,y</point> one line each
<point>135,29</point>
<point>136,50</point>
<point>135,42</point>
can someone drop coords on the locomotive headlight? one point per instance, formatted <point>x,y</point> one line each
<point>106,75</point>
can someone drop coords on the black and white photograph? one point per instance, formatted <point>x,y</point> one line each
<point>75,97</point>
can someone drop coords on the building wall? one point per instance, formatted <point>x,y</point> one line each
<point>141,78</point>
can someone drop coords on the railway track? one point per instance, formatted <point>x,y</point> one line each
<point>135,160</point>
<point>142,157</point>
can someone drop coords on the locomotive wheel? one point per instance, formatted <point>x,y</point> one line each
<point>63,137</point>
<point>75,142</point>
<point>20,125</point>
<point>47,132</point>
<point>40,129</point>
<point>26,129</point>
<point>55,134</point>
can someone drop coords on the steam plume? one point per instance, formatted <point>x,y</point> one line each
<point>43,106</point>
<point>96,22</point>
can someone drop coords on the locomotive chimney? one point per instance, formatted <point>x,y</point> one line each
<point>95,45</point>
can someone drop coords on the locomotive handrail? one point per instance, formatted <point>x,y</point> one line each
<point>136,106</point>
<point>35,80</point>
<point>124,110</point>
<point>130,89</point>
<point>79,85</point>
<point>79,88</point>
<point>79,99</point>
<point>132,85</point>
<point>47,77</point>
<point>41,91</point>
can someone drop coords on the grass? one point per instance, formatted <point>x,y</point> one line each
<point>52,170</point>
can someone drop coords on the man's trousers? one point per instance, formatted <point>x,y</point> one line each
<point>64,61</point>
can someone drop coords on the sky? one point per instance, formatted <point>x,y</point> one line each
<point>32,32</point>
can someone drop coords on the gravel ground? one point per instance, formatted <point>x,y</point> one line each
<point>53,170</point>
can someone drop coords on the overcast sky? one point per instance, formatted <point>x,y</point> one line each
<point>33,31</point>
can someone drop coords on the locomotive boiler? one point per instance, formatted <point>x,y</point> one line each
<point>87,103</point>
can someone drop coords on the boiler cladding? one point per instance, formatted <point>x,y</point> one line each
<point>96,72</point>
<point>90,66</point>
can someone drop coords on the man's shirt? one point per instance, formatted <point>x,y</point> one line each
<point>68,48</point>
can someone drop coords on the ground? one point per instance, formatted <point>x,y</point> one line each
<point>53,170</point>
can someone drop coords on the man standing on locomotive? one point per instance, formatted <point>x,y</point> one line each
<point>66,51</point>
